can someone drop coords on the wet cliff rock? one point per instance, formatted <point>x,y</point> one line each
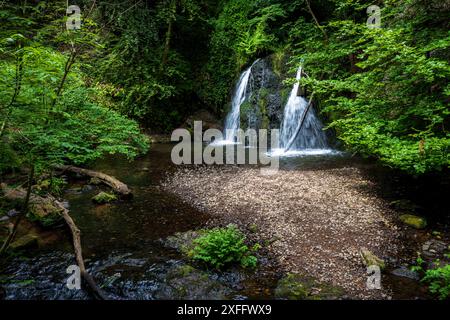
<point>266,94</point>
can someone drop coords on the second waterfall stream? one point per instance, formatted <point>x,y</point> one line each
<point>311,139</point>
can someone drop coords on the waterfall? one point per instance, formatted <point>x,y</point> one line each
<point>311,138</point>
<point>232,122</point>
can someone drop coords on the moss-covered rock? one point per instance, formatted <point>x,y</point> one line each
<point>45,213</point>
<point>183,271</point>
<point>292,287</point>
<point>42,185</point>
<point>183,241</point>
<point>413,221</point>
<point>298,287</point>
<point>41,209</point>
<point>263,108</point>
<point>370,259</point>
<point>104,197</point>
<point>187,282</point>
<point>25,242</point>
<point>253,228</point>
<point>245,113</point>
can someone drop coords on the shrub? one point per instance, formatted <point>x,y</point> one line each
<point>221,247</point>
<point>439,281</point>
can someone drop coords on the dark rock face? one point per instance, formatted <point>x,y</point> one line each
<point>263,108</point>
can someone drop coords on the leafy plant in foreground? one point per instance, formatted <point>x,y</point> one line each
<point>438,278</point>
<point>221,247</point>
<point>439,281</point>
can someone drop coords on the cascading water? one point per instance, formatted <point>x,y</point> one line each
<point>232,122</point>
<point>311,139</point>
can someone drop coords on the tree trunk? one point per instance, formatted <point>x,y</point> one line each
<point>316,21</point>
<point>167,44</point>
<point>165,57</point>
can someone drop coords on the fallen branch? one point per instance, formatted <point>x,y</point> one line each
<point>19,193</point>
<point>118,186</point>
<point>78,252</point>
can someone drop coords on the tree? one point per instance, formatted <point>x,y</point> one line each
<point>52,116</point>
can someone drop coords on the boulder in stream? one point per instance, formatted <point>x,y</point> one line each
<point>434,249</point>
<point>41,210</point>
<point>182,241</point>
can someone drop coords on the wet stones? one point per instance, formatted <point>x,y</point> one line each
<point>404,272</point>
<point>433,249</point>
<point>187,282</point>
<point>12,213</point>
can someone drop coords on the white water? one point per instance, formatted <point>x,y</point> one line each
<point>311,139</point>
<point>302,153</point>
<point>232,122</point>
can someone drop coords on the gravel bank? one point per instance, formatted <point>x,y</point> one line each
<point>320,218</point>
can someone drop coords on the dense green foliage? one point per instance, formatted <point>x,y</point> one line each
<point>439,281</point>
<point>242,33</point>
<point>437,277</point>
<point>155,52</point>
<point>49,115</point>
<point>384,91</point>
<point>222,247</point>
